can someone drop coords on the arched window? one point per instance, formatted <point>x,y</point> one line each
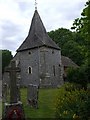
<point>29,70</point>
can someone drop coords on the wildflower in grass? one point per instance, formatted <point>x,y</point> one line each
<point>65,112</point>
<point>75,116</point>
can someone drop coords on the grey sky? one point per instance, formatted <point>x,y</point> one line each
<point>16,15</point>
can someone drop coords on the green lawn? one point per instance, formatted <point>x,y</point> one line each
<point>0,110</point>
<point>46,104</point>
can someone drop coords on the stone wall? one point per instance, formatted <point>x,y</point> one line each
<point>40,66</point>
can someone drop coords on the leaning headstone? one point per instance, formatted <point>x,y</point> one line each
<point>14,109</point>
<point>32,95</point>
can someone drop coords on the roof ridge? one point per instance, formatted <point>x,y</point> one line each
<point>39,38</point>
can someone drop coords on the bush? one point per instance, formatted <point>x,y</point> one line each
<point>79,76</point>
<point>6,58</point>
<point>72,103</point>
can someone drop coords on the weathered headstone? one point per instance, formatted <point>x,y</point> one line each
<point>13,110</point>
<point>32,95</point>
<point>13,87</point>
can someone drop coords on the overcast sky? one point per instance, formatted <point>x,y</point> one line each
<point>16,16</point>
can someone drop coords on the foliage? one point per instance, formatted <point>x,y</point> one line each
<point>73,50</point>
<point>72,103</point>
<point>75,44</point>
<point>6,57</point>
<point>79,75</point>
<point>61,36</point>
<point>82,36</point>
<point>82,26</point>
<point>71,44</point>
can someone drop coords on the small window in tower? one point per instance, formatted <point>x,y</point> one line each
<point>52,51</point>
<point>29,70</point>
<point>29,53</point>
<point>54,70</point>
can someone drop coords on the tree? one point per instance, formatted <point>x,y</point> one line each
<point>73,50</point>
<point>61,36</point>
<point>6,58</point>
<point>71,44</point>
<point>82,26</point>
<point>79,76</point>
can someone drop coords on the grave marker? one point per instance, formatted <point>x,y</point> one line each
<point>32,95</point>
<point>13,88</point>
<point>14,109</point>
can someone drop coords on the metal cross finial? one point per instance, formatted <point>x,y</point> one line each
<point>35,4</point>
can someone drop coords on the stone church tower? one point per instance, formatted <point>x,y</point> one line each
<point>39,58</point>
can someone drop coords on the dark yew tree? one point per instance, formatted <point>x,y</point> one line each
<point>6,58</point>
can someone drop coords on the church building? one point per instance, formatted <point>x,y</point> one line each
<point>39,57</point>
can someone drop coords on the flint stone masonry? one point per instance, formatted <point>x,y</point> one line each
<point>42,67</point>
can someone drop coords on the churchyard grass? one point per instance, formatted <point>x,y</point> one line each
<point>0,109</point>
<point>46,104</point>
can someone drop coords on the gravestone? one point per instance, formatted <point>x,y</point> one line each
<point>13,87</point>
<point>14,109</point>
<point>32,95</point>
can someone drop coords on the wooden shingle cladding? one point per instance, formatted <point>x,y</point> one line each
<point>37,36</point>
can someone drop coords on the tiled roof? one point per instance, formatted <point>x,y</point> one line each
<point>37,35</point>
<point>67,62</point>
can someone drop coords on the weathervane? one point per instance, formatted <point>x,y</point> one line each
<point>35,4</point>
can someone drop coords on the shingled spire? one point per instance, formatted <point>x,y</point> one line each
<point>37,35</point>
